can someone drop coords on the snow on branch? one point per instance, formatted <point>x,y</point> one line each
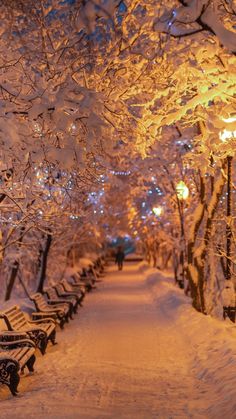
<point>201,15</point>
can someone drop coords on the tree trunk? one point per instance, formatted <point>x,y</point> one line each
<point>43,262</point>
<point>165,260</point>
<point>197,255</point>
<point>10,285</point>
<point>14,271</point>
<point>192,273</point>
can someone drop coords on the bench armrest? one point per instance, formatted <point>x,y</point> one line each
<point>57,306</point>
<point>69,294</point>
<point>42,321</point>
<point>17,343</point>
<point>45,315</point>
<point>12,335</point>
<point>58,302</point>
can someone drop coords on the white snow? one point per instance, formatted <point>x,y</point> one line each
<point>137,349</point>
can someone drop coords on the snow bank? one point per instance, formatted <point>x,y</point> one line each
<point>91,256</point>
<point>72,270</point>
<point>144,266</point>
<point>85,262</point>
<point>211,341</point>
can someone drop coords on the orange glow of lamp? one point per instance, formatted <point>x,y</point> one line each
<point>157,211</point>
<point>182,190</point>
<point>227,134</point>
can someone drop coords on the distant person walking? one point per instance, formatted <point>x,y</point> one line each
<point>120,258</point>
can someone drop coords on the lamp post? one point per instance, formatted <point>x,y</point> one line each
<point>182,193</point>
<point>225,136</point>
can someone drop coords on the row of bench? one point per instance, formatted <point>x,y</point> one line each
<point>24,335</point>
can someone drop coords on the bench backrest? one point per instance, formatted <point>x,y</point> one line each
<point>65,284</point>
<point>84,272</point>
<point>39,301</point>
<point>51,293</point>
<point>15,319</point>
<point>59,288</point>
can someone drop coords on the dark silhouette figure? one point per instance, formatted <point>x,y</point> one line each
<point>120,258</point>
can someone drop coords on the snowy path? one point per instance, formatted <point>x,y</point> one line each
<point>125,356</point>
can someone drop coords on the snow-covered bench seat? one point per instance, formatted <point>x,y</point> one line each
<point>16,352</point>
<point>59,311</point>
<point>40,331</point>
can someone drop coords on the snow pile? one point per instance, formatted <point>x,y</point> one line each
<point>85,262</point>
<point>91,256</point>
<point>72,270</point>
<point>210,342</point>
<point>144,266</point>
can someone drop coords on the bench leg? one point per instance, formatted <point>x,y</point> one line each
<point>89,287</point>
<point>71,312</point>
<point>14,379</point>
<point>62,322</point>
<point>43,345</point>
<point>52,337</point>
<point>30,363</point>
<point>13,382</point>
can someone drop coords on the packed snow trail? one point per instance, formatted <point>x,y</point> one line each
<point>135,350</point>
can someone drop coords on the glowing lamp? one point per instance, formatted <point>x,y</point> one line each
<point>157,211</point>
<point>229,120</point>
<point>182,190</point>
<point>227,134</point>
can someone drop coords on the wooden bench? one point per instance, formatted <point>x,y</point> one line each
<point>58,312</point>
<point>79,289</point>
<point>85,278</point>
<point>16,352</point>
<point>53,297</point>
<point>76,282</point>
<point>99,267</point>
<point>39,331</point>
<point>63,289</point>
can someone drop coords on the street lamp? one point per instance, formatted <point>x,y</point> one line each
<point>225,136</point>
<point>182,190</point>
<point>157,211</point>
<point>182,193</point>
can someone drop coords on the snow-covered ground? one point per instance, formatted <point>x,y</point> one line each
<point>136,349</point>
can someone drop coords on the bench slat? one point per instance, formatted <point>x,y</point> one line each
<point>22,355</point>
